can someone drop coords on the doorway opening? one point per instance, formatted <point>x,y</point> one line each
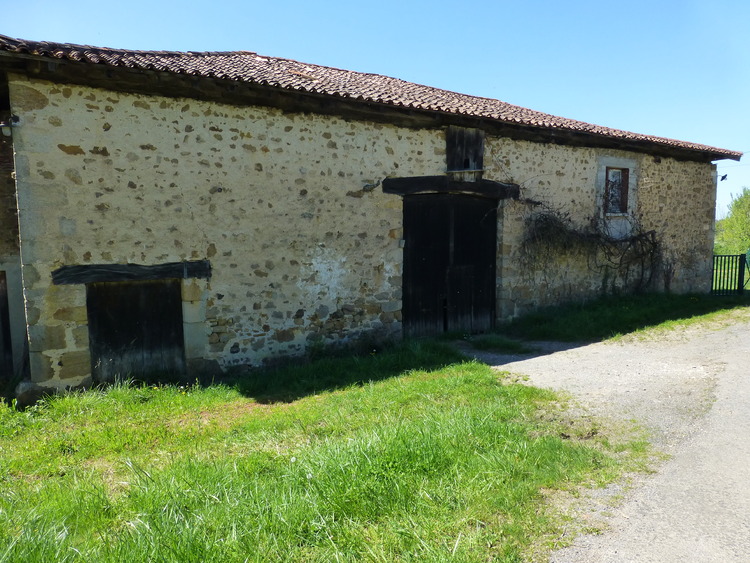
<point>450,247</point>
<point>135,330</point>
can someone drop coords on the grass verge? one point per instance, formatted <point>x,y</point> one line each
<point>613,316</point>
<point>444,461</point>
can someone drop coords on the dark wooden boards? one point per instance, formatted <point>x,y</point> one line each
<point>450,246</point>
<point>125,272</point>
<point>135,330</point>
<point>464,149</point>
<point>443,184</point>
<point>6,351</point>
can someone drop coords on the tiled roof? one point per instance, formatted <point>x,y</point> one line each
<point>252,68</point>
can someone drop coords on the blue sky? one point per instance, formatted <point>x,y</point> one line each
<point>673,68</point>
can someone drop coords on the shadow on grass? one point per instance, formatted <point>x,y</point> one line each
<point>301,377</point>
<point>295,381</point>
<point>539,333</point>
<point>612,316</point>
<point>556,329</point>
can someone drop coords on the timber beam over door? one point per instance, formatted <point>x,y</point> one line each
<point>92,273</point>
<point>444,184</point>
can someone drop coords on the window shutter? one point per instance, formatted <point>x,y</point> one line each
<point>464,148</point>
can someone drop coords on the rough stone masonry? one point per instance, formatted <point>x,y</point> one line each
<point>301,249</point>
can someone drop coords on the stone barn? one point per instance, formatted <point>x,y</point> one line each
<point>189,212</point>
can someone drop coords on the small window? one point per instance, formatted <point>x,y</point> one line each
<point>616,190</point>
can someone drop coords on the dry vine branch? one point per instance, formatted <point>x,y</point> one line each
<point>621,262</point>
<point>550,233</point>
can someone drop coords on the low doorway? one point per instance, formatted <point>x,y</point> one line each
<point>135,329</point>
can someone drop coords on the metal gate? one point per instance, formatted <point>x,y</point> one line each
<point>729,274</point>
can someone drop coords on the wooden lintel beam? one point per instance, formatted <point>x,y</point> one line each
<point>68,275</point>
<point>443,184</point>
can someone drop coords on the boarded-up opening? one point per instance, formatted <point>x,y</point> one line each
<point>449,264</point>
<point>464,149</point>
<point>6,351</point>
<point>135,329</point>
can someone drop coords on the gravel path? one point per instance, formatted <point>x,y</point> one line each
<point>691,389</point>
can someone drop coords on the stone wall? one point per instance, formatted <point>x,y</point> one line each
<point>300,252</point>
<point>674,199</point>
<point>678,201</point>
<point>303,249</point>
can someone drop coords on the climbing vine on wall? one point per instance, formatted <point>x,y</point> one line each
<point>626,262</point>
<point>551,236</point>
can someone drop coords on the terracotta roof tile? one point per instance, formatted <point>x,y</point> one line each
<point>251,68</point>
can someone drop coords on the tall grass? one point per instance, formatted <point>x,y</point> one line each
<point>437,463</point>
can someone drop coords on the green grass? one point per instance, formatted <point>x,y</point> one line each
<point>408,454</point>
<point>614,316</point>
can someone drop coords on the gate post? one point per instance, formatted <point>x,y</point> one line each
<point>741,274</point>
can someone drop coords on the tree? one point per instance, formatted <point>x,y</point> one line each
<point>733,232</point>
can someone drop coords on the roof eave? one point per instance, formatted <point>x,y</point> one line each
<point>53,68</point>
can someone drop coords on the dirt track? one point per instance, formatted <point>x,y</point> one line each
<point>691,389</point>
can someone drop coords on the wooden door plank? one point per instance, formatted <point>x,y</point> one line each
<point>135,329</point>
<point>474,265</point>
<point>425,264</point>
<point>6,350</point>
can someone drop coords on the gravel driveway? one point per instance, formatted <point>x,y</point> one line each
<point>691,389</point>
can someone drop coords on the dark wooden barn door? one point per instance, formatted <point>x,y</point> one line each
<point>449,264</point>
<point>135,329</point>
<point>6,352</point>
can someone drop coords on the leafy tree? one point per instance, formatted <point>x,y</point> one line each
<point>733,232</point>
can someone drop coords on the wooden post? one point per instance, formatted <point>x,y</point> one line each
<point>6,351</point>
